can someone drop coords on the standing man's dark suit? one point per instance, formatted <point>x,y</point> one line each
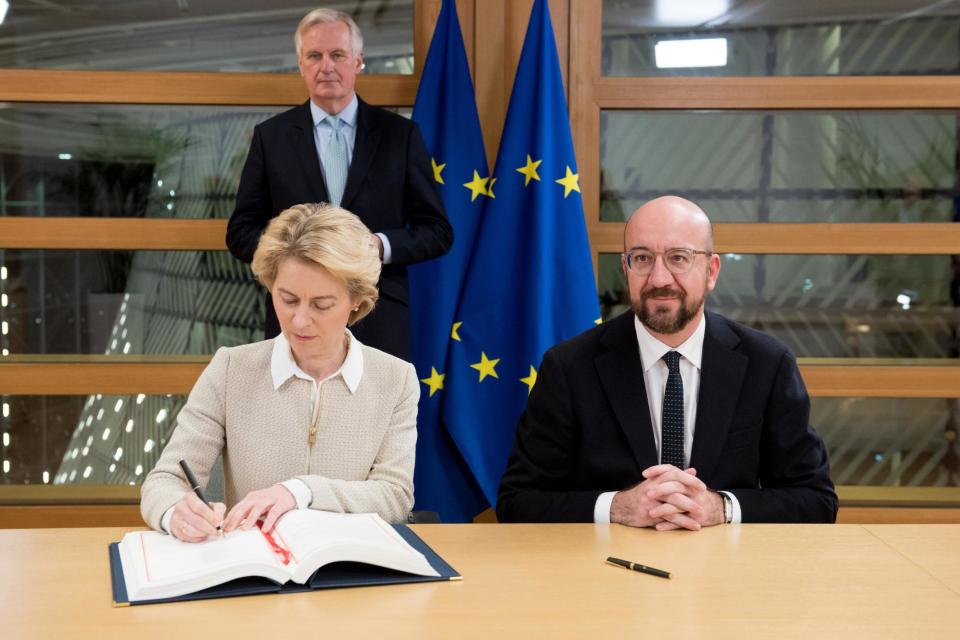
<point>389,186</point>
<point>387,180</point>
<point>587,429</point>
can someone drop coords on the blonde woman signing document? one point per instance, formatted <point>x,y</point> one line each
<point>309,419</point>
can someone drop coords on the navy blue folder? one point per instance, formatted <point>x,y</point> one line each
<point>333,575</point>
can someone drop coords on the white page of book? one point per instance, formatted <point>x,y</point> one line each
<point>161,559</point>
<point>358,537</point>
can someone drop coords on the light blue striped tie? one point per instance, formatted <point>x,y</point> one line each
<point>335,161</point>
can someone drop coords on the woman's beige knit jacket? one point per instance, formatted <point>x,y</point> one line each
<point>363,457</point>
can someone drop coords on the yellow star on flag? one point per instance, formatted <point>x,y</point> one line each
<point>530,380</point>
<point>437,168</point>
<point>453,331</point>
<point>598,321</point>
<point>435,381</point>
<point>530,170</point>
<point>490,187</point>
<point>486,366</point>
<point>477,186</point>
<point>570,182</point>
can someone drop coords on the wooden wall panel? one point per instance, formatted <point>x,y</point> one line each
<point>425,17</point>
<point>748,238</point>
<point>781,92</point>
<point>64,506</point>
<point>45,517</point>
<point>490,81</point>
<point>500,29</point>
<point>48,517</point>
<point>85,378</point>
<point>112,233</point>
<point>897,515</point>
<point>82,375</point>
<point>883,382</point>
<point>185,88</point>
<point>812,238</point>
<point>584,69</point>
<point>881,496</point>
<point>68,494</point>
<point>425,13</point>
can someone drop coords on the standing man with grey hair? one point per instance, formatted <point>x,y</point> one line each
<point>337,148</point>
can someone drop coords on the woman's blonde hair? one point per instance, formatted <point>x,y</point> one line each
<point>330,237</point>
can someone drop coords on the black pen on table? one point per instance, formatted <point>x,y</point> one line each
<point>192,481</point>
<point>642,568</point>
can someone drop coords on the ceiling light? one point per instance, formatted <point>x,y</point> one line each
<point>689,13</point>
<point>702,52</point>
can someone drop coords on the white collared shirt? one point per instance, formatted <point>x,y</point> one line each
<point>282,368</point>
<point>323,131</point>
<point>655,373</point>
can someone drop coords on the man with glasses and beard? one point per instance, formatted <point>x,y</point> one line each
<point>668,416</point>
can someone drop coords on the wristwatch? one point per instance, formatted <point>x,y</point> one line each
<point>727,508</point>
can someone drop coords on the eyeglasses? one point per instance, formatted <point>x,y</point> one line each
<point>677,261</point>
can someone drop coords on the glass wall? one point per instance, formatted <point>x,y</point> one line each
<point>891,441</point>
<point>109,439</point>
<point>123,160</point>
<point>831,306</point>
<point>784,166</point>
<point>218,35</point>
<point>96,439</point>
<point>759,38</point>
<point>127,302</point>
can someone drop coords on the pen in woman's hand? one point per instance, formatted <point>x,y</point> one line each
<point>192,481</point>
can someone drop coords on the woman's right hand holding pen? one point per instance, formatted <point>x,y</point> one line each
<point>194,521</point>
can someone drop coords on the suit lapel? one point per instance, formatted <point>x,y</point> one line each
<point>300,136</point>
<point>621,374</point>
<point>721,377</point>
<point>364,150</point>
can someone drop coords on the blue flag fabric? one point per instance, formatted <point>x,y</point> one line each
<point>446,112</point>
<point>530,282</point>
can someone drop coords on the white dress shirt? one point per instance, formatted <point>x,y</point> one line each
<point>282,368</point>
<point>323,131</point>
<point>655,373</point>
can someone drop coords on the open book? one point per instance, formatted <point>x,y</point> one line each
<point>156,566</point>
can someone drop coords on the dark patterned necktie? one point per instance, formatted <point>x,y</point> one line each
<point>671,433</point>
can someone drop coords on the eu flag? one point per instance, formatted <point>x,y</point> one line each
<point>446,112</point>
<point>530,281</point>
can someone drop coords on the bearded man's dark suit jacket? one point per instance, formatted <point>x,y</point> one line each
<point>390,186</point>
<point>586,429</point>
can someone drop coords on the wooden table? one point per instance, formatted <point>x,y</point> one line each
<point>742,581</point>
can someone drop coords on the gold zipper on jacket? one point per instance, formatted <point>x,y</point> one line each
<point>312,433</point>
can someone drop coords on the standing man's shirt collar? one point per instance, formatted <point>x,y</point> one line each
<point>652,350</point>
<point>283,366</point>
<point>348,115</point>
